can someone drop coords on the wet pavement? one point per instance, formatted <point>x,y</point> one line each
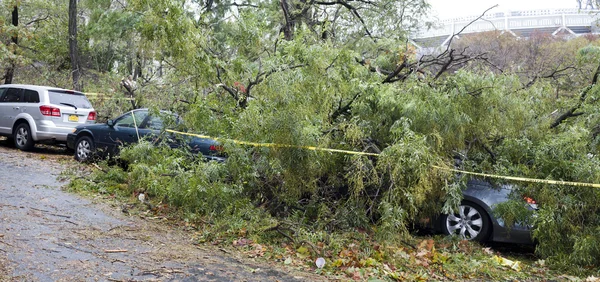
<point>47,234</point>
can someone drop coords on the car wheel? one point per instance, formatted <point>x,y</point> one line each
<point>470,223</point>
<point>22,137</point>
<point>84,149</point>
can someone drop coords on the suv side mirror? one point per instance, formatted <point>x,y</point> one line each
<point>110,122</point>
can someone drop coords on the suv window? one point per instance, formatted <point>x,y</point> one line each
<point>31,96</point>
<point>12,95</point>
<point>61,97</point>
<point>127,119</point>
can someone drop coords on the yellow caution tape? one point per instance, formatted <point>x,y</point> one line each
<point>109,98</point>
<point>274,145</point>
<point>523,179</point>
<point>104,96</point>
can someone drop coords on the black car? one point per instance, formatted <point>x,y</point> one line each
<point>475,219</point>
<point>105,139</point>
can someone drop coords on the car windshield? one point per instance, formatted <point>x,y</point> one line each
<point>69,98</point>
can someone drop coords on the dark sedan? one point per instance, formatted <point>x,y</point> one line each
<point>475,219</point>
<point>105,139</point>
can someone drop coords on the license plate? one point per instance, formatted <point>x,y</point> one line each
<point>74,118</point>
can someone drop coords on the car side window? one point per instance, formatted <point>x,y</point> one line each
<point>31,96</point>
<point>154,123</point>
<point>128,119</point>
<point>12,95</point>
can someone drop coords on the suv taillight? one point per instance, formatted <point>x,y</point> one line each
<point>92,116</point>
<point>50,111</point>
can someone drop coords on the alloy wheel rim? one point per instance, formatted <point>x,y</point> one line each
<point>22,136</point>
<point>467,224</point>
<point>83,149</point>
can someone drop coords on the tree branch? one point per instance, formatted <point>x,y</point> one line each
<point>232,92</point>
<point>571,112</point>
<point>37,20</point>
<point>260,77</point>
<point>340,110</point>
<point>353,10</point>
<point>244,5</point>
<point>397,71</point>
<point>470,23</point>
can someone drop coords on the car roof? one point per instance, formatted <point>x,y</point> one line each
<point>35,87</point>
<point>161,111</point>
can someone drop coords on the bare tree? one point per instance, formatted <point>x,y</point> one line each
<point>10,71</point>
<point>73,50</point>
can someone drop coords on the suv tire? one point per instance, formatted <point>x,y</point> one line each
<point>23,138</point>
<point>84,149</point>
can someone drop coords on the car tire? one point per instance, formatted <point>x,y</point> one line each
<point>22,137</point>
<point>84,149</point>
<point>470,223</point>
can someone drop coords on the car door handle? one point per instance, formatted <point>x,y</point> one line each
<point>16,108</point>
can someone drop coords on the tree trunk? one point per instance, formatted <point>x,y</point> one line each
<point>73,50</point>
<point>138,66</point>
<point>10,72</point>
<point>288,27</point>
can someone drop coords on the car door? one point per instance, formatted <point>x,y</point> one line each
<point>124,131</point>
<point>11,102</point>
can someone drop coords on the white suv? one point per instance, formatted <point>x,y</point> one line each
<point>31,114</point>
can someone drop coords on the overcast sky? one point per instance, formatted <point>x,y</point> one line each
<point>446,9</point>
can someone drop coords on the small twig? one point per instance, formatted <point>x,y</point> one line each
<point>286,235</point>
<point>75,248</point>
<point>50,213</point>
<point>272,228</point>
<point>113,228</point>
<point>409,244</point>
<point>98,167</point>
<point>115,251</point>
<point>118,260</point>
<point>71,222</point>
<point>7,244</point>
<point>312,246</point>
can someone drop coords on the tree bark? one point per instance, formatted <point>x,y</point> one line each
<point>288,27</point>
<point>10,72</point>
<point>73,50</point>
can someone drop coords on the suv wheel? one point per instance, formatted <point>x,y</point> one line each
<point>23,138</point>
<point>84,148</point>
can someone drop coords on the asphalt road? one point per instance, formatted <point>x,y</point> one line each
<point>47,234</point>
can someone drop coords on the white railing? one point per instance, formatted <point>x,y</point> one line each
<point>514,20</point>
